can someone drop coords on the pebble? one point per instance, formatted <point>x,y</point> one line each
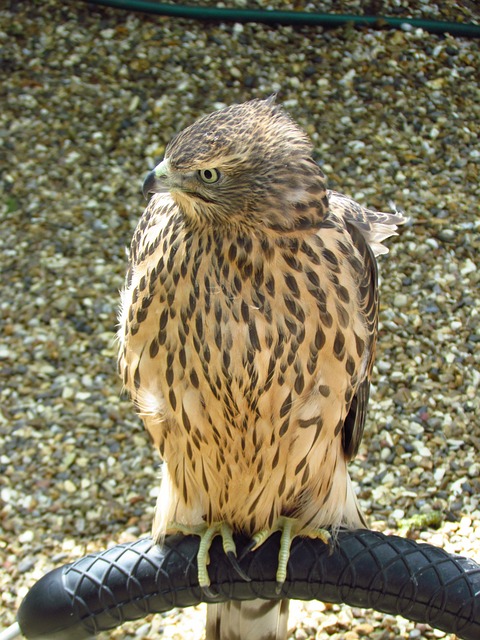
<point>92,96</point>
<point>26,564</point>
<point>26,536</point>
<point>400,300</point>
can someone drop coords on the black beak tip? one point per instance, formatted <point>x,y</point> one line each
<point>149,184</point>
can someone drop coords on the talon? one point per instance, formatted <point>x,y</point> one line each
<point>251,546</point>
<point>230,550</point>
<point>203,556</point>
<point>322,534</point>
<point>331,545</point>
<point>209,592</point>
<point>233,561</point>
<point>259,538</point>
<point>289,528</point>
<point>325,536</point>
<point>207,533</point>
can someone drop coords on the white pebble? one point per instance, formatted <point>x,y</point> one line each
<point>107,34</point>
<point>468,267</point>
<point>69,486</point>
<point>400,300</point>
<point>26,536</point>
<point>474,470</point>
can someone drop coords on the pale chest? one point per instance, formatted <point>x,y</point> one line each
<point>244,322</point>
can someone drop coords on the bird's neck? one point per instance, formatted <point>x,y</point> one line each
<point>303,206</point>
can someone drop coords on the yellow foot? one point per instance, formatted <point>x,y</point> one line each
<point>289,528</point>
<point>207,533</point>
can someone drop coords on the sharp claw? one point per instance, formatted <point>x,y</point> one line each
<point>278,588</point>
<point>209,592</point>
<point>246,550</point>
<point>256,541</point>
<point>288,528</point>
<point>233,561</point>
<point>331,546</point>
<point>207,533</point>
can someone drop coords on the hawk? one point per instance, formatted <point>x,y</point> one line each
<point>247,336</point>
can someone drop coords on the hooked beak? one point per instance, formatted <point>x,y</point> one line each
<point>155,182</point>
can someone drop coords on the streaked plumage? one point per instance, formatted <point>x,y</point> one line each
<point>248,328</point>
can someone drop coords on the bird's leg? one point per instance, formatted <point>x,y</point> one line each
<point>289,528</point>
<point>207,533</point>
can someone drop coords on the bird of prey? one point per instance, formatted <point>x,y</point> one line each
<point>247,335</point>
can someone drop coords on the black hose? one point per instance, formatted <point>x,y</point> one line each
<point>290,17</point>
<point>366,569</point>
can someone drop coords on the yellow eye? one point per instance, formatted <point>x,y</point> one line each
<point>209,175</point>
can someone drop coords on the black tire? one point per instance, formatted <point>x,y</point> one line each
<point>365,569</point>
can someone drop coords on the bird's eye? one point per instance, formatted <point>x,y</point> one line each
<point>209,175</point>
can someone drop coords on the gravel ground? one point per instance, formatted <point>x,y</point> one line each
<point>90,97</point>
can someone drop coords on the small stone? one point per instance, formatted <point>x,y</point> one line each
<point>26,564</point>
<point>143,630</point>
<point>68,393</point>
<point>400,300</point>
<point>447,235</point>
<point>69,486</point>
<point>26,536</point>
<point>474,470</point>
<point>385,453</point>
<point>468,267</point>
<point>383,366</point>
<point>364,629</point>
<point>5,354</point>
<point>107,34</point>
<point>69,459</point>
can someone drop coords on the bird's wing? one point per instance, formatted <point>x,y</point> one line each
<point>375,226</point>
<point>368,298</point>
<point>367,229</point>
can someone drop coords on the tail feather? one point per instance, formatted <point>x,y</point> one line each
<point>247,620</point>
<point>375,226</point>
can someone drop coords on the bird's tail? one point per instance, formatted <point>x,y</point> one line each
<point>247,620</point>
<point>375,226</point>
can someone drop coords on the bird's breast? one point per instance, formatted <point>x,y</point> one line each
<point>242,322</point>
<point>243,355</point>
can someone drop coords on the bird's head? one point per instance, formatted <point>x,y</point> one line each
<point>245,164</point>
